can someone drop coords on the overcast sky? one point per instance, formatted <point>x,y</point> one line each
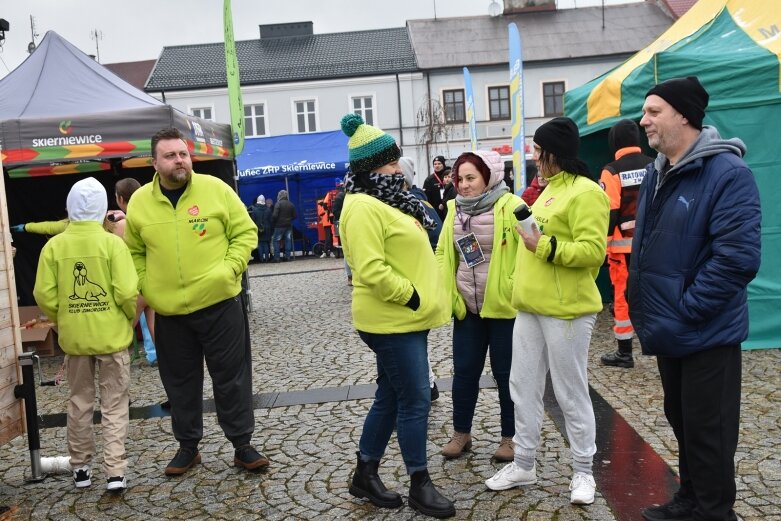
<point>132,30</point>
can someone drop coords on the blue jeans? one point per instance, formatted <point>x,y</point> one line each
<point>402,400</point>
<point>279,233</point>
<point>264,250</point>
<point>149,344</point>
<point>472,339</point>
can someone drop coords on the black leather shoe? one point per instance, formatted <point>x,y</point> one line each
<point>675,510</point>
<point>247,457</point>
<point>184,460</point>
<point>426,499</point>
<point>434,392</point>
<point>367,484</point>
<point>618,359</point>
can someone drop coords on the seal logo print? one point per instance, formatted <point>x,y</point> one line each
<point>83,288</point>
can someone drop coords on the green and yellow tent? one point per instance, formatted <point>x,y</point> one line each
<point>734,48</point>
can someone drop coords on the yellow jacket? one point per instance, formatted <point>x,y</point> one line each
<point>499,284</point>
<point>193,256</point>
<point>389,253</point>
<point>575,210</point>
<point>86,283</point>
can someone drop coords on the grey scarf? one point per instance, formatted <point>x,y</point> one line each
<point>483,202</point>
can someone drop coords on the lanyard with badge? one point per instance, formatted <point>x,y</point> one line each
<point>468,245</point>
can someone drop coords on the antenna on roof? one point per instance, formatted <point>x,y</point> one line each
<point>96,35</point>
<point>435,9</point>
<point>603,15</point>
<point>33,34</point>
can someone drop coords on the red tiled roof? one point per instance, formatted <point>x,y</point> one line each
<point>678,8</point>
<point>135,73</point>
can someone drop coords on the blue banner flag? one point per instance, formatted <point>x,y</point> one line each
<point>470,108</point>
<point>516,107</point>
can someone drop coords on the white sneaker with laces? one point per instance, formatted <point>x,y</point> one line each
<point>82,476</point>
<point>583,488</point>
<point>512,476</point>
<point>116,484</point>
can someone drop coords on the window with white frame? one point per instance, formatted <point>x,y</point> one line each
<point>202,112</point>
<point>499,102</point>
<point>454,105</point>
<point>553,98</point>
<point>255,120</point>
<point>364,106</point>
<point>306,116</point>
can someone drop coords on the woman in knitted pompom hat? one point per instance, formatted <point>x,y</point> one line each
<point>397,297</point>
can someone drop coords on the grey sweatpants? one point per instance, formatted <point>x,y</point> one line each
<point>540,344</point>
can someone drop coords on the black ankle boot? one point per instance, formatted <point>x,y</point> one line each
<point>622,357</point>
<point>367,484</point>
<point>426,499</point>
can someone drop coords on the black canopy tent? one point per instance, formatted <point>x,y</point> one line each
<point>63,113</point>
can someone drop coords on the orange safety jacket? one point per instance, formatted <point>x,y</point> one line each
<point>621,181</point>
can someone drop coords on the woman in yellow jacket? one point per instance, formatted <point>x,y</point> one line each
<point>557,298</point>
<point>476,252</point>
<point>397,298</point>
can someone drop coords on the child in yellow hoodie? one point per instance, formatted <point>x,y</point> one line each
<point>87,284</point>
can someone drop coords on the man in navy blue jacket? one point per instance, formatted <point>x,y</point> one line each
<point>696,247</point>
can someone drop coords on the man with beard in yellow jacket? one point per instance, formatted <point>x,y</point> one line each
<point>191,239</point>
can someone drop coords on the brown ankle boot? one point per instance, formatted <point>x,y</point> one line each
<point>506,450</point>
<point>460,442</point>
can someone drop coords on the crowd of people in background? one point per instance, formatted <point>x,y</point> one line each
<point>275,227</point>
<point>680,234</point>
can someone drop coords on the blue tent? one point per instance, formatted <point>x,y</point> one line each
<point>306,165</point>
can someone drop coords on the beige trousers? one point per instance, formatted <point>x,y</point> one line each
<point>114,381</point>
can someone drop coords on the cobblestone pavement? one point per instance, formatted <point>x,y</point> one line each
<point>302,340</point>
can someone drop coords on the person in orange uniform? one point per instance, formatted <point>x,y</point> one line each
<point>621,180</point>
<point>328,222</point>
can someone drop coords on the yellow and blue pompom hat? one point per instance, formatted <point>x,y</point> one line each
<point>369,147</point>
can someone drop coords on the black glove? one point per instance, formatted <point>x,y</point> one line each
<point>414,301</point>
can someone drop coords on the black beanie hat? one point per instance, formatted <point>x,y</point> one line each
<point>686,95</point>
<point>441,159</point>
<point>560,137</point>
<point>623,134</point>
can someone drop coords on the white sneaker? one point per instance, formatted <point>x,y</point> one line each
<point>116,484</point>
<point>324,255</point>
<point>512,476</point>
<point>583,488</point>
<point>82,476</point>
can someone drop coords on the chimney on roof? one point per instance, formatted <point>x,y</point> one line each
<point>524,6</point>
<point>285,30</point>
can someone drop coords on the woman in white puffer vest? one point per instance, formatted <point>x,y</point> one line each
<point>476,253</point>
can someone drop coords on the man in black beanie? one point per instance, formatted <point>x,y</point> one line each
<point>696,247</point>
<point>434,185</point>
<point>621,181</point>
